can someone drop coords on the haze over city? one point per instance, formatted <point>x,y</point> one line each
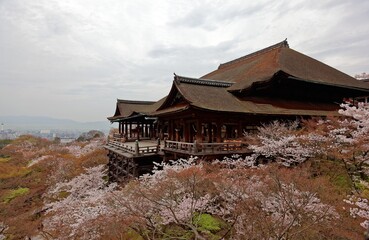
<point>73,59</point>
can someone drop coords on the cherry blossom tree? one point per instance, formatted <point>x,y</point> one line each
<point>175,194</point>
<point>280,142</point>
<point>76,203</point>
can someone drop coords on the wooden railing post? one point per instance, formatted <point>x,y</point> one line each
<point>195,150</point>
<point>137,148</point>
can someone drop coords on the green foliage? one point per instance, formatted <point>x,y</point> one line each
<point>206,222</point>
<point>177,232</point>
<point>12,194</point>
<point>365,193</point>
<point>10,171</point>
<point>63,194</point>
<point>335,171</point>
<point>132,235</point>
<point>4,142</point>
<point>342,181</point>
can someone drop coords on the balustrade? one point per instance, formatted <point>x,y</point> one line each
<point>204,147</point>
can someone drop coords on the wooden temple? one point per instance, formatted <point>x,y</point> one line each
<point>208,116</point>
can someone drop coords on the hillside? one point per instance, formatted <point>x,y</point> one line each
<point>306,180</point>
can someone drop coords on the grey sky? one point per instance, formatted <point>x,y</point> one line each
<point>73,58</point>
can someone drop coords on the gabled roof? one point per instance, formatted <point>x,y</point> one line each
<point>129,108</point>
<point>213,96</point>
<point>262,65</point>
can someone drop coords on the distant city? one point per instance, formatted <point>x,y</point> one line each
<point>51,134</point>
<point>66,130</point>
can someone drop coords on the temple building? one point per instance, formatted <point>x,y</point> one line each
<point>209,115</point>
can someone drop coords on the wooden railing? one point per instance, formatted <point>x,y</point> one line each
<point>121,138</point>
<point>204,148</point>
<point>133,149</point>
<point>181,147</point>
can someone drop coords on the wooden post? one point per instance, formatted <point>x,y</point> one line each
<point>239,130</point>
<point>130,130</point>
<point>177,134</point>
<point>170,130</point>
<point>146,130</point>
<point>219,132</point>
<point>158,144</point>
<point>137,148</point>
<point>199,131</point>
<point>210,129</point>
<point>186,130</point>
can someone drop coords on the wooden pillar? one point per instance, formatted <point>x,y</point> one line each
<point>199,131</point>
<point>126,129</point>
<point>239,130</point>
<point>120,127</point>
<point>147,130</point>
<point>176,130</point>
<point>151,130</point>
<point>186,131</point>
<point>228,132</point>
<point>143,130</point>
<point>219,132</point>
<point>170,129</point>
<point>177,134</point>
<point>210,133</point>
<point>138,129</point>
<point>130,130</point>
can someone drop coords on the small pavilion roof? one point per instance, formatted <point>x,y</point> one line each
<point>129,108</point>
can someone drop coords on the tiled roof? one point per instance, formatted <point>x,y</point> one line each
<point>219,99</point>
<point>262,65</point>
<point>204,82</point>
<point>128,108</point>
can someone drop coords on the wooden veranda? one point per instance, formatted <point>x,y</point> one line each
<point>132,159</point>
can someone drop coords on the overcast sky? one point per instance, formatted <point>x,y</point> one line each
<point>73,58</point>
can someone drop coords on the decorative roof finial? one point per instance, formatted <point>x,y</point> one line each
<point>285,43</point>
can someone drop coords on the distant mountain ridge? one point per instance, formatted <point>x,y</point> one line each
<point>40,122</point>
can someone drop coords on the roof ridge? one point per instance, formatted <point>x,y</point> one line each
<point>200,81</point>
<point>284,43</point>
<point>135,101</point>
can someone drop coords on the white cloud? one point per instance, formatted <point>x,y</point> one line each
<point>73,58</point>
